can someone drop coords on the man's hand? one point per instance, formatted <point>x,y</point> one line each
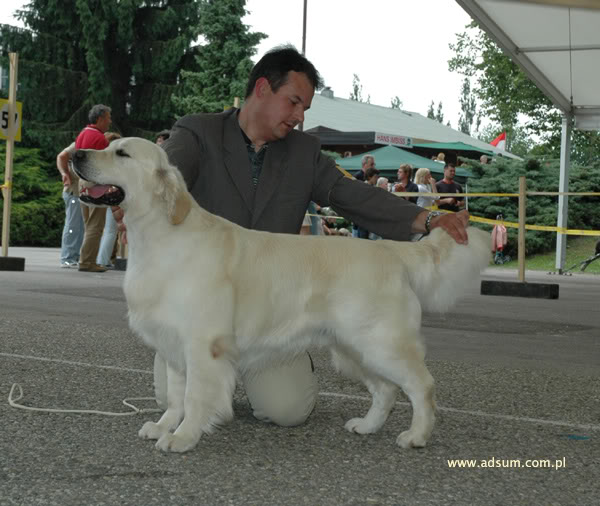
<point>66,179</point>
<point>453,223</point>
<point>118,216</point>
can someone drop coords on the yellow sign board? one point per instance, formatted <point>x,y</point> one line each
<point>15,131</point>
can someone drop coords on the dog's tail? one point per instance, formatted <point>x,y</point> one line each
<point>446,269</point>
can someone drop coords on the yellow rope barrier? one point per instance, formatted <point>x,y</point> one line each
<point>533,194</point>
<point>487,221</point>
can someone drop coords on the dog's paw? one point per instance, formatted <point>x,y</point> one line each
<point>172,443</point>
<point>411,439</point>
<point>361,426</point>
<point>151,430</point>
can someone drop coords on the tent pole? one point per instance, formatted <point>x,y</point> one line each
<point>563,200</point>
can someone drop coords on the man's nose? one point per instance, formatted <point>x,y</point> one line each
<point>299,113</point>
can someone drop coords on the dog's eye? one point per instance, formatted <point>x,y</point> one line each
<point>121,152</point>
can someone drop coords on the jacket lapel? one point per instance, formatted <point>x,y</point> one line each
<point>236,159</point>
<point>274,167</point>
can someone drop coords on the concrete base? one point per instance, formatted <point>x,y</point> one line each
<point>12,264</point>
<point>518,289</point>
<point>121,264</point>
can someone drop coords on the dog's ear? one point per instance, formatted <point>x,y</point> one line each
<point>172,190</point>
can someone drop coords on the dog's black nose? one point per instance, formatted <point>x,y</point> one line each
<point>79,155</point>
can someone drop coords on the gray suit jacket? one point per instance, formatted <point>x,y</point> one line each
<point>210,152</point>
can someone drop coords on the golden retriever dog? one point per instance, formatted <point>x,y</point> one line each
<point>213,298</point>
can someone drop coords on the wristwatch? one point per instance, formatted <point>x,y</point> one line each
<point>430,216</point>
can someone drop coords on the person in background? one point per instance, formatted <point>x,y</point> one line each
<point>371,176</point>
<point>404,183</point>
<point>426,184</point>
<point>367,162</point>
<point>448,185</point>
<point>107,252</point>
<point>73,230</point>
<point>92,137</point>
<point>162,136</point>
<point>383,182</point>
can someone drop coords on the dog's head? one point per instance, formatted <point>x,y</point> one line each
<point>130,173</point>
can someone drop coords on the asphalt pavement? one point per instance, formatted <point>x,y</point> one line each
<point>518,389</point>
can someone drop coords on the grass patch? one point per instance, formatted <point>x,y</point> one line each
<point>578,250</point>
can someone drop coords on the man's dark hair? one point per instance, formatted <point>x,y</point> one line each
<point>97,112</point>
<point>165,134</point>
<point>370,173</point>
<point>449,164</point>
<point>276,64</point>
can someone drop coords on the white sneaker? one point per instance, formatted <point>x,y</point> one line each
<point>68,265</point>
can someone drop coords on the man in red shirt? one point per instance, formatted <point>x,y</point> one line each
<point>92,137</point>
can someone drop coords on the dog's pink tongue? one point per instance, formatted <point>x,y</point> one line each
<point>98,190</point>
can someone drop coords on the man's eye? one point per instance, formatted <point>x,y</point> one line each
<point>121,152</point>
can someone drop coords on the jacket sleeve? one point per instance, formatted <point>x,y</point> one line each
<point>370,207</point>
<point>184,149</point>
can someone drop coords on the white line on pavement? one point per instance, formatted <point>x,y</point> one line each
<point>557,423</point>
<point>513,418</point>
<point>71,362</point>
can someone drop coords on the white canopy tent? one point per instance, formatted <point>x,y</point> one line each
<point>557,44</point>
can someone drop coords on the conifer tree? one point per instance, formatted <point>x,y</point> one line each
<point>223,60</point>
<point>75,53</point>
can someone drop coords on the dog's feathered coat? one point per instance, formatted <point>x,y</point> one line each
<point>211,297</point>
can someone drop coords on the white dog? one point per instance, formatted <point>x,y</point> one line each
<point>212,297</point>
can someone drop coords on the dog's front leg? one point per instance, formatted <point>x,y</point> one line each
<point>172,417</point>
<point>210,381</point>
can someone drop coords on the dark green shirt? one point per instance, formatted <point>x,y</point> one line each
<point>256,158</point>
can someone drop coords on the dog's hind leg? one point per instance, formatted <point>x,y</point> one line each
<point>172,417</point>
<point>383,393</point>
<point>405,366</point>
<point>210,381</point>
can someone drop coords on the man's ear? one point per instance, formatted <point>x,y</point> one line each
<point>262,87</point>
<point>173,192</point>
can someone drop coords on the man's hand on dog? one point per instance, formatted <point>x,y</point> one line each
<point>454,223</point>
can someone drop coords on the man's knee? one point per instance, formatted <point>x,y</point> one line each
<point>284,394</point>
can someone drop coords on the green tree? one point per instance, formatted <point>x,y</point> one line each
<point>357,90</point>
<point>431,111</point>
<point>37,212</point>
<point>506,96</point>
<point>436,115</point>
<point>468,108</point>
<point>223,61</point>
<point>76,53</point>
<point>396,103</point>
<point>502,176</point>
<point>503,90</point>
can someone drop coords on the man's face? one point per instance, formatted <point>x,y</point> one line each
<point>369,164</point>
<point>104,122</point>
<point>402,175</point>
<point>449,172</point>
<point>284,109</point>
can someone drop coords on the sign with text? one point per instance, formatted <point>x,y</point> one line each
<point>15,131</point>
<point>393,140</point>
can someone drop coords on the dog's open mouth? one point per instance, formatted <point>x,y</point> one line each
<point>102,195</point>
